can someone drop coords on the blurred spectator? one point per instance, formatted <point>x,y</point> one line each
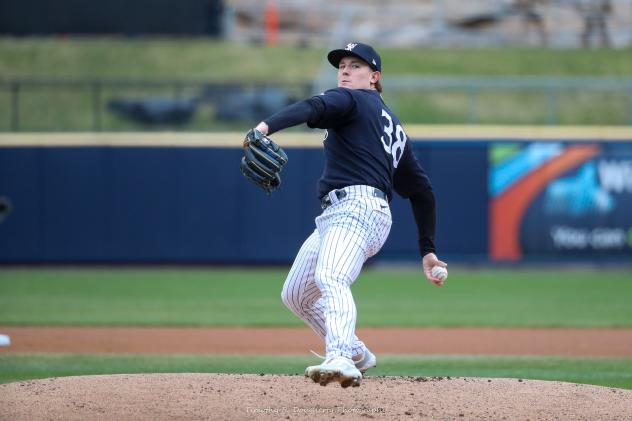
<point>531,17</point>
<point>594,13</point>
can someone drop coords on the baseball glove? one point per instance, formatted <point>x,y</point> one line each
<point>263,161</point>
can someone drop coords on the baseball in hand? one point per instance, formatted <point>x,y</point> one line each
<point>439,273</point>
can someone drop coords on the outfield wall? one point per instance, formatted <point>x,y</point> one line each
<point>503,194</point>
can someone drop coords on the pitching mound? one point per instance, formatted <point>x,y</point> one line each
<point>239,397</point>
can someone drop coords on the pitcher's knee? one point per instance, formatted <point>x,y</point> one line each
<point>332,280</point>
<point>290,301</point>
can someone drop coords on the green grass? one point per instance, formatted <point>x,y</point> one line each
<point>238,297</point>
<point>152,58</point>
<point>613,372</point>
<point>251,297</point>
<point>198,58</point>
<point>208,60</point>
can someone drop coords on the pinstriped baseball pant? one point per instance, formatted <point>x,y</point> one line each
<point>318,286</point>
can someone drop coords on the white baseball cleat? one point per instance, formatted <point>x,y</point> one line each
<point>365,361</point>
<point>339,369</point>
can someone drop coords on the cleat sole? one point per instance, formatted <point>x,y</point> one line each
<point>326,376</point>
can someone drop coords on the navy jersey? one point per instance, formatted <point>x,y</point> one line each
<point>366,144</point>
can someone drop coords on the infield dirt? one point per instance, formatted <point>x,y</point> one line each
<point>600,342</point>
<point>270,397</point>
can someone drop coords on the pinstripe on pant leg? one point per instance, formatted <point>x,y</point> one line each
<point>351,231</point>
<point>300,293</point>
<point>317,288</point>
<point>342,254</point>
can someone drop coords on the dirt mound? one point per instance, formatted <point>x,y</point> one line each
<point>248,396</point>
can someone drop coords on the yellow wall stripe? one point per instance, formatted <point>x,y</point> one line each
<point>312,139</point>
<point>145,139</point>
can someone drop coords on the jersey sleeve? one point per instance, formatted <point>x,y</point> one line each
<point>325,111</point>
<point>292,115</point>
<point>410,181</point>
<point>337,108</point>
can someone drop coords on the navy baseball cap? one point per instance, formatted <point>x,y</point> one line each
<point>357,49</point>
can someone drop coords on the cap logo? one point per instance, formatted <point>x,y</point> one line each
<point>350,46</point>
<point>374,63</point>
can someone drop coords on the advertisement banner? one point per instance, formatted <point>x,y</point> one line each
<point>560,199</point>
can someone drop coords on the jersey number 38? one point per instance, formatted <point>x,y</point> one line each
<point>394,148</point>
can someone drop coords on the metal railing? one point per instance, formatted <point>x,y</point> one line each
<point>97,95</point>
<point>18,88</point>
<point>84,105</point>
<point>552,88</point>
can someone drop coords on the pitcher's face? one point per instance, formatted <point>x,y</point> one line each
<point>354,73</point>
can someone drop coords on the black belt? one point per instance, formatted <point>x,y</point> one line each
<point>325,201</point>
